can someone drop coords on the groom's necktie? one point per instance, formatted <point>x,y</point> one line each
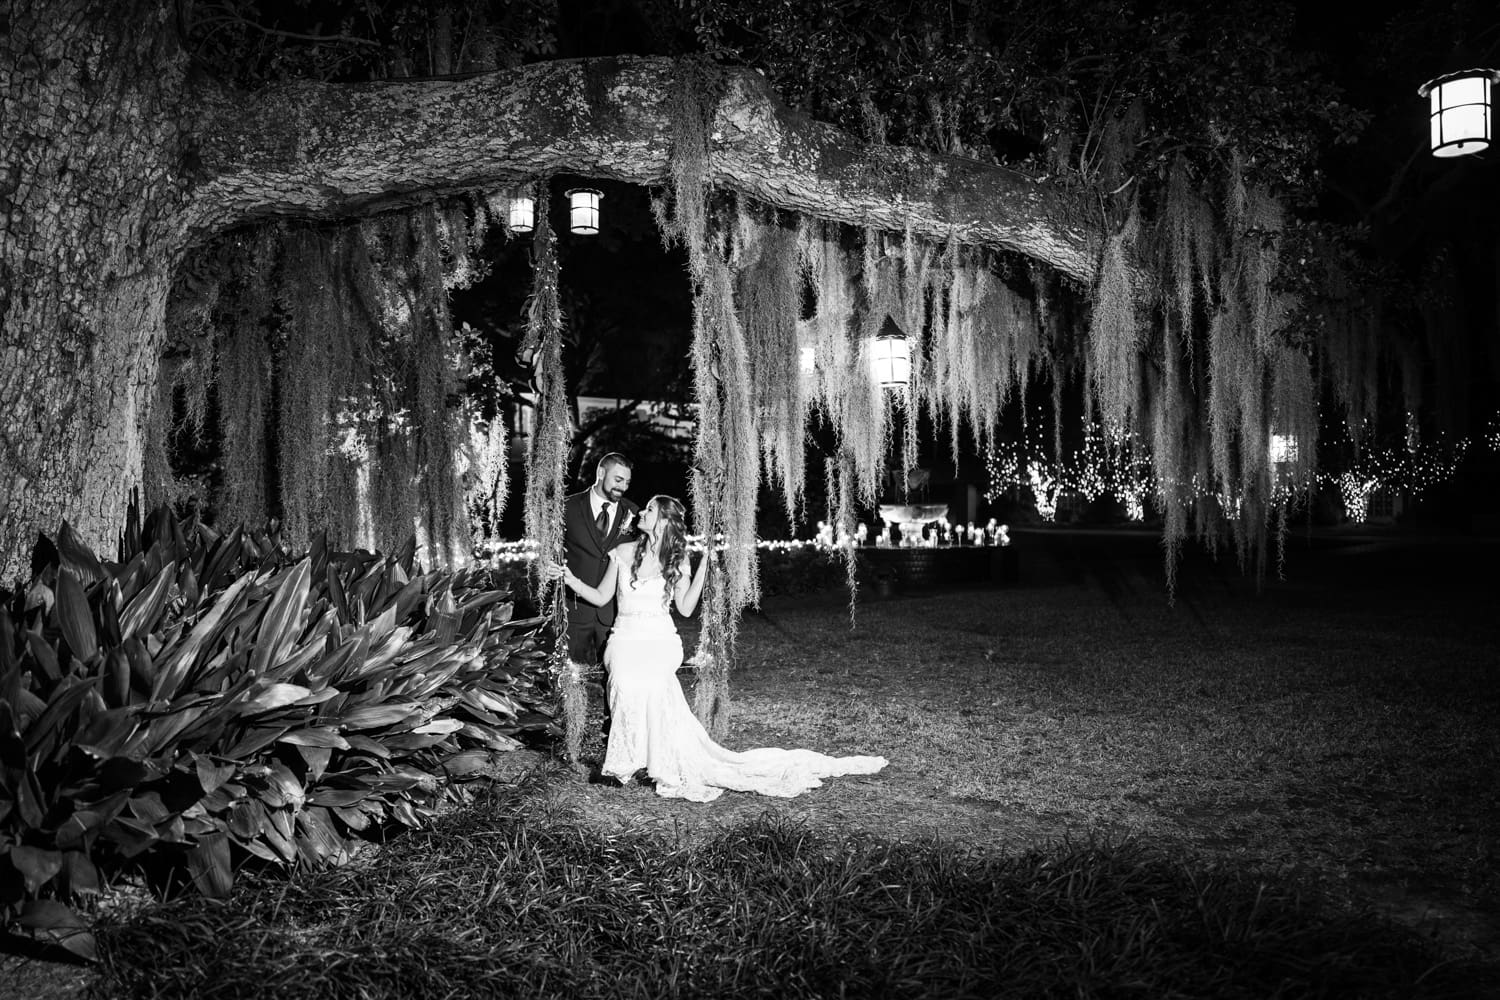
<point>602,521</point>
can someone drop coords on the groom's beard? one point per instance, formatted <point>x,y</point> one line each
<point>614,495</point>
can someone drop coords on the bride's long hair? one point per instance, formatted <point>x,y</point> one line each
<point>671,521</point>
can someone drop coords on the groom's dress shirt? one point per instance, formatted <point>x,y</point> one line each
<point>598,504</point>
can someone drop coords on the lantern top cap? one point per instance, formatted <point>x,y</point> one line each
<point>583,190</point>
<point>1493,75</point>
<point>890,331</point>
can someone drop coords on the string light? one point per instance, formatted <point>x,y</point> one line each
<point>1122,469</point>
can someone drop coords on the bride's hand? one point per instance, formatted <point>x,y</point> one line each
<point>552,571</point>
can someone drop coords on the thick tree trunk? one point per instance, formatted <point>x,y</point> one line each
<point>326,150</point>
<point>88,240</point>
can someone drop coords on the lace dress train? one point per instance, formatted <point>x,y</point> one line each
<point>652,726</point>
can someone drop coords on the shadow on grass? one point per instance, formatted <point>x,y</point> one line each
<point>500,900</point>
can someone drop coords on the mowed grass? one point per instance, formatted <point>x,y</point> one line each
<point>500,900</point>
<point>1344,721</point>
<point>1090,794</point>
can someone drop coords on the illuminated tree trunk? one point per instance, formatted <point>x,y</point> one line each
<point>88,243</point>
<point>111,168</point>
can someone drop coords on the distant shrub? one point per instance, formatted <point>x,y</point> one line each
<point>805,570</point>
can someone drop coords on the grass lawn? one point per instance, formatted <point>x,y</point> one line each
<point>1090,793</point>
<point>1343,725</point>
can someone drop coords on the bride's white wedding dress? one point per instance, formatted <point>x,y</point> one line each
<point>652,727</point>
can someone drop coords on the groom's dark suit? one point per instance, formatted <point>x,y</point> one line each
<point>586,550</point>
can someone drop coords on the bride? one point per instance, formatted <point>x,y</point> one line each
<point>651,725</point>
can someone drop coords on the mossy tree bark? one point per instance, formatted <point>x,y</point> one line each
<point>89,237</point>
<point>115,164</point>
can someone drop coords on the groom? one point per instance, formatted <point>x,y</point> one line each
<point>595,521</point>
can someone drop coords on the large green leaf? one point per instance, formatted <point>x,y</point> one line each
<point>45,730</point>
<point>336,593</point>
<point>316,736</point>
<point>316,759</point>
<point>368,745</point>
<point>411,741</point>
<point>79,830</point>
<point>380,716</point>
<point>354,819</point>
<point>36,865</point>
<point>211,775</point>
<point>319,838</point>
<point>53,921</point>
<point>208,863</point>
<point>282,620</point>
<point>274,696</point>
<point>255,739</point>
<point>159,734</point>
<point>386,652</point>
<point>148,807</point>
<point>30,800</point>
<point>285,783</point>
<point>345,660</point>
<point>12,747</point>
<point>339,797</point>
<point>466,762</point>
<point>77,558</point>
<point>140,614</point>
<point>44,656</point>
<point>80,877</point>
<point>177,664</point>
<point>132,836</point>
<point>246,818</point>
<point>222,558</point>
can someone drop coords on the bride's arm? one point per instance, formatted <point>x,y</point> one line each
<point>689,592</point>
<point>600,595</point>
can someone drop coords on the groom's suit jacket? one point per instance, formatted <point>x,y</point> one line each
<point>587,551</point>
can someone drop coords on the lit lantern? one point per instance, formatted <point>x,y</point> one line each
<point>805,360</point>
<point>521,217</point>
<point>1283,448</point>
<point>890,357</point>
<point>1461,111</point>
<point>584,211</point>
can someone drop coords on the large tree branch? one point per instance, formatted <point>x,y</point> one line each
<point>325,150</point>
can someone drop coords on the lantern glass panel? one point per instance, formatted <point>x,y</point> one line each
<point>805,360</point>
<point>890,361</point>
<point>584,211</point>
<point>522,215</point>
<point>1461,115</point>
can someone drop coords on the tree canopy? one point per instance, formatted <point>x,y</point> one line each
<point>1167,185</point>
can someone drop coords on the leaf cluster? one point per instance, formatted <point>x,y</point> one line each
<point>1037,84</point>
<point>211,698</point>
<point>251,43</point>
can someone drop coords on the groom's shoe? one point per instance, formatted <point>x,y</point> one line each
<point>598,777</point>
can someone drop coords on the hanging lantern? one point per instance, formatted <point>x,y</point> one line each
<point>583,217</point>
<point>805,360</point>
<point>1462,111</point>
<point>521,216</point>
<point>1283,448</point>
<point>890,357</point>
